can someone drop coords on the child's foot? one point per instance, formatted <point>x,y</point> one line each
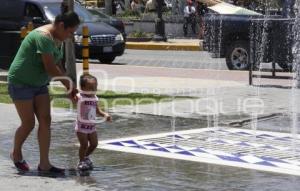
<point>88,161</point>
<point>82,166</point>
<point>21,165</point>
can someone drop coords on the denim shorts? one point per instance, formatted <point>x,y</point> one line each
<point>25,92</point>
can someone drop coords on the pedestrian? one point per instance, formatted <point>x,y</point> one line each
<point>189,17</point>
<point>134,5</point>
<point>39,58</point>
<point>85,126</point>
<point>114,5</point>
<point>201,10</point>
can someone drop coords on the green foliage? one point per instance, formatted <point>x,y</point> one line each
<point>140,34</point>
<point>129,13</point>
<point>108,98</point>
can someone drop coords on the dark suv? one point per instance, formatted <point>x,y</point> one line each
<point>247,37</point>
<point>105,43</point>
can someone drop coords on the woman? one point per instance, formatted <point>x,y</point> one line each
<point>38,58</point>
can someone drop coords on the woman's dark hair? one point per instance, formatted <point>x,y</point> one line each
<point>70,19</point>
<point>84,78</point>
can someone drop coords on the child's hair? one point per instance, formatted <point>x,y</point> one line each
<point>84,78</point>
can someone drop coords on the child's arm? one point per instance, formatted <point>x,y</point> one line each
<point>103,114</point>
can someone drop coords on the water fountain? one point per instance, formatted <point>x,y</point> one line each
<point>253,148</point>
<point>201,148</point>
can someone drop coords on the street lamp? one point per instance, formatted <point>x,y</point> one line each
<point>159,24</point>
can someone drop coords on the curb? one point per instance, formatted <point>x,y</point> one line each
<point>165,46</point>
<point>142,39</point>
<point>3,76</point>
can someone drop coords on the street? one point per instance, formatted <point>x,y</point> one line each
<point>178,72</point>
<point>170,59</point>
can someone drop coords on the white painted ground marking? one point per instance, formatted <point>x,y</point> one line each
<point>268,151</point>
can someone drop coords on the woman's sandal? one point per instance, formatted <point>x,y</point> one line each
<point>21,165</point>
<point>52,170</point>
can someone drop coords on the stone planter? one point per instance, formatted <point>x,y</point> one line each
<point>137,39</point>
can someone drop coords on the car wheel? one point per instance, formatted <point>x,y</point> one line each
<point>107,60</point>
<point>237,56</point>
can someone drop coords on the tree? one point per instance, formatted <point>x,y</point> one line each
<point>127,4</point>
<point>108,8</point>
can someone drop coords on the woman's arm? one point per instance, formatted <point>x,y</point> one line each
<point>54,71</point>
<point>61,67</point>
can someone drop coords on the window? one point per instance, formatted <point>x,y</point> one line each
<point>32,11</point>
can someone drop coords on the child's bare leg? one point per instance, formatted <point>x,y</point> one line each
<point>83,140</point>
<point>93,140</point>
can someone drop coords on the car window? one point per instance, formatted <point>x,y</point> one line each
<point>32,11</point>
<point>99,14</point>
<point>53,9</point>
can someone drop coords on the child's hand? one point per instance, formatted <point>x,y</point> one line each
<point>73,95</point>
<point>108,117</point>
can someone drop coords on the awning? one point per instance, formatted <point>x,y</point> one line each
<point>210,2</point>
<point>229,9</point>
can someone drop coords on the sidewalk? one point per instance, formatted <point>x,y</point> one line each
<point>171,44</point>
<point>10,180</point>
<point>226,91</point>
<point>229,89</point>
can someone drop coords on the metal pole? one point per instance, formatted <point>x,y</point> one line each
<point>127,5</point>
<point>23,33</point>
<point>108,8</point>
<point>159,24</point>
<point>29,27</point>
<point>85,49</point>
<point>70,62</point>
<point>251,74</point>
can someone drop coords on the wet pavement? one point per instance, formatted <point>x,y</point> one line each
<point>124,171</point>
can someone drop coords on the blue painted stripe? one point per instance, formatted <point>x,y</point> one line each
<point>186,153</point>
<point>160,149</point>
<point>130,142</point>
<point>116,143</point>
<point>273,159</point>
<point>229,158</point>
<point>266,163</point>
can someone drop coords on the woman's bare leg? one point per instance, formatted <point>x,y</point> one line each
<point>26,113</point>
<point>42,112</point>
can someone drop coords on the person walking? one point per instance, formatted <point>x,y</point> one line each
<point>201,10</point>
<point>189,17</point>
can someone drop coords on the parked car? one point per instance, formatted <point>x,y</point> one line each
<point>230,30</point>
<point>105,43</point>
<point>114,22</point>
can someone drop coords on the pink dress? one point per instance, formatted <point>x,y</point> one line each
<point>86,114</point>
